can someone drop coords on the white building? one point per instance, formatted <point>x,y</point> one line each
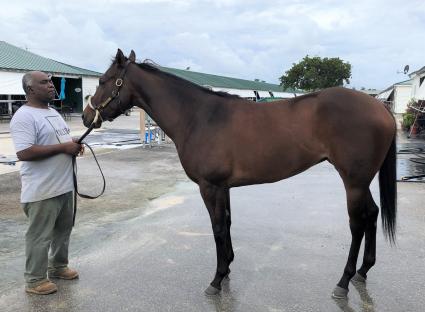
<point>397,96</point>
<point>418,85</point>
<point>400,94</point>
<point>15,62</point>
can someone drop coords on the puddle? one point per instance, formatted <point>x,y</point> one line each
<point>117,139</point>
<point>411,161</point>
<point>164,203</point>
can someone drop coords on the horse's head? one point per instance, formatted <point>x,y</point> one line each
<point>113,96</point>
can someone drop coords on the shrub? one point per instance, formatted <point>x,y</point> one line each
<point>408,120</point>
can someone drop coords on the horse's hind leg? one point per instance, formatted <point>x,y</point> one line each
<point>215,198</point>
<point>229,246</point>
<point>370,240</point>
<point>356,202</point>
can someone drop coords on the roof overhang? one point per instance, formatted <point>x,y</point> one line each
<point>264,94</point>
<point>54,74</point>
<point>285,95</point>
<point>240,92</point>
<point>385,94</point>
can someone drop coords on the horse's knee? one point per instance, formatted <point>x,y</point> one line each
<point>219,230</point>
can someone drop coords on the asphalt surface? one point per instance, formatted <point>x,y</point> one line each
<point>147,244</point>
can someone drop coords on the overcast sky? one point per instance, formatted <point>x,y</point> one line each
<point>239,38</point>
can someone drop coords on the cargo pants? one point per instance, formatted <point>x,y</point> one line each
<point>50,226</point>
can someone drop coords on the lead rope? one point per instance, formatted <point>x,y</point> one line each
<point>75,169</point>
<point>115,93</point>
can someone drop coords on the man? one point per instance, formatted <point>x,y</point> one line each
<point>44,145</point>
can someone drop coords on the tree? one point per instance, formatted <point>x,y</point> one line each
<point>315,73</point>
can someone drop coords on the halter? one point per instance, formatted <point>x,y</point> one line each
<point>115,94</point>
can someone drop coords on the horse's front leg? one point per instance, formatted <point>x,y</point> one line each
<point>216,199</point>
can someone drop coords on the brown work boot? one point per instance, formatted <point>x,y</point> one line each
<point>65,273</point>
<point>45,288</point>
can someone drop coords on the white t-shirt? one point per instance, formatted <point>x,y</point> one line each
<point>49,177</point>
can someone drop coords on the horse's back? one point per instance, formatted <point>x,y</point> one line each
<point>350,114</point>
<point>260,143</point>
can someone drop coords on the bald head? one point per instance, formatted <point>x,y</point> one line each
<point>38,87</point>
<point>27,79</point>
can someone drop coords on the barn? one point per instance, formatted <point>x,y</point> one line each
<point>75,84</point>
<point>15,62</point>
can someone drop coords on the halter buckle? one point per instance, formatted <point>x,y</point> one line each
<point>118,83</point>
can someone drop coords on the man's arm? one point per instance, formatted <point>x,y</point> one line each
<point>38,152</point>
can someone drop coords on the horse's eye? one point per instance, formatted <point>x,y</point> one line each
<point>101,81</point>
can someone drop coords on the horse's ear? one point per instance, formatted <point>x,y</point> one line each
<point>132,56</point>
<point>120,58</point>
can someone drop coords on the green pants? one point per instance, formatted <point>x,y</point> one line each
<point>50,225</point>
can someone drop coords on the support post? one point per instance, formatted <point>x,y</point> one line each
<point>142,126</point>
<point>9,105</point>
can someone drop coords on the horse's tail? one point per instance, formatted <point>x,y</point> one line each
<point>388,191</point>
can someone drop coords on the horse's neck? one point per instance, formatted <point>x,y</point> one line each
<point>172,108</point>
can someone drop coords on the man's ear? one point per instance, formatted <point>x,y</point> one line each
<point>120,58</point>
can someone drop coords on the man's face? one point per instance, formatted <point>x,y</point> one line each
<point>42,87</point>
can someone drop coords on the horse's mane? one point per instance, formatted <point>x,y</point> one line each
<point>151,66</point>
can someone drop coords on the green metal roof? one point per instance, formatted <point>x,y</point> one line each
<point>14,58</point>
<point>224,82</point>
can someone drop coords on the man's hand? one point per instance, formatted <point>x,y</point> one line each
<point>72,148</point>
<point>81,153</point>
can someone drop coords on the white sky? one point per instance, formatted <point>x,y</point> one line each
<point>239,38</point>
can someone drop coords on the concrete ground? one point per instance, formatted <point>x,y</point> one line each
<point>147,244</point>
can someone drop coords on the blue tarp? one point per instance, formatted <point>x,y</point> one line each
<point>62,93</point>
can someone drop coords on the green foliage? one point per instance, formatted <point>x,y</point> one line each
<point>315,73</point>
<point>408,120</point>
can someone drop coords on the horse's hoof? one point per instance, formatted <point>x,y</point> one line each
<point>212,291</point>
<point>340,293</point>
<point>358,279</point>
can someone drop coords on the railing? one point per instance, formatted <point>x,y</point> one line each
<point>419,109</point>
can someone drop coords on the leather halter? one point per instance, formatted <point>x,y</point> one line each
<point>115,94</point>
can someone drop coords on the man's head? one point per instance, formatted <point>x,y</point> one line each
<point>38,87</point>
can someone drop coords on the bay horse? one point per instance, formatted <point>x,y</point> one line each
<point>220,146</point>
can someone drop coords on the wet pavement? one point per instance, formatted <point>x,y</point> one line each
<point>147,244</point>
<point>411,161</point>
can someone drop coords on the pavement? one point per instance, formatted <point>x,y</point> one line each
<point>147,244</point>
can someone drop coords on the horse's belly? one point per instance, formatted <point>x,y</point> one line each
<point>268,170</point>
